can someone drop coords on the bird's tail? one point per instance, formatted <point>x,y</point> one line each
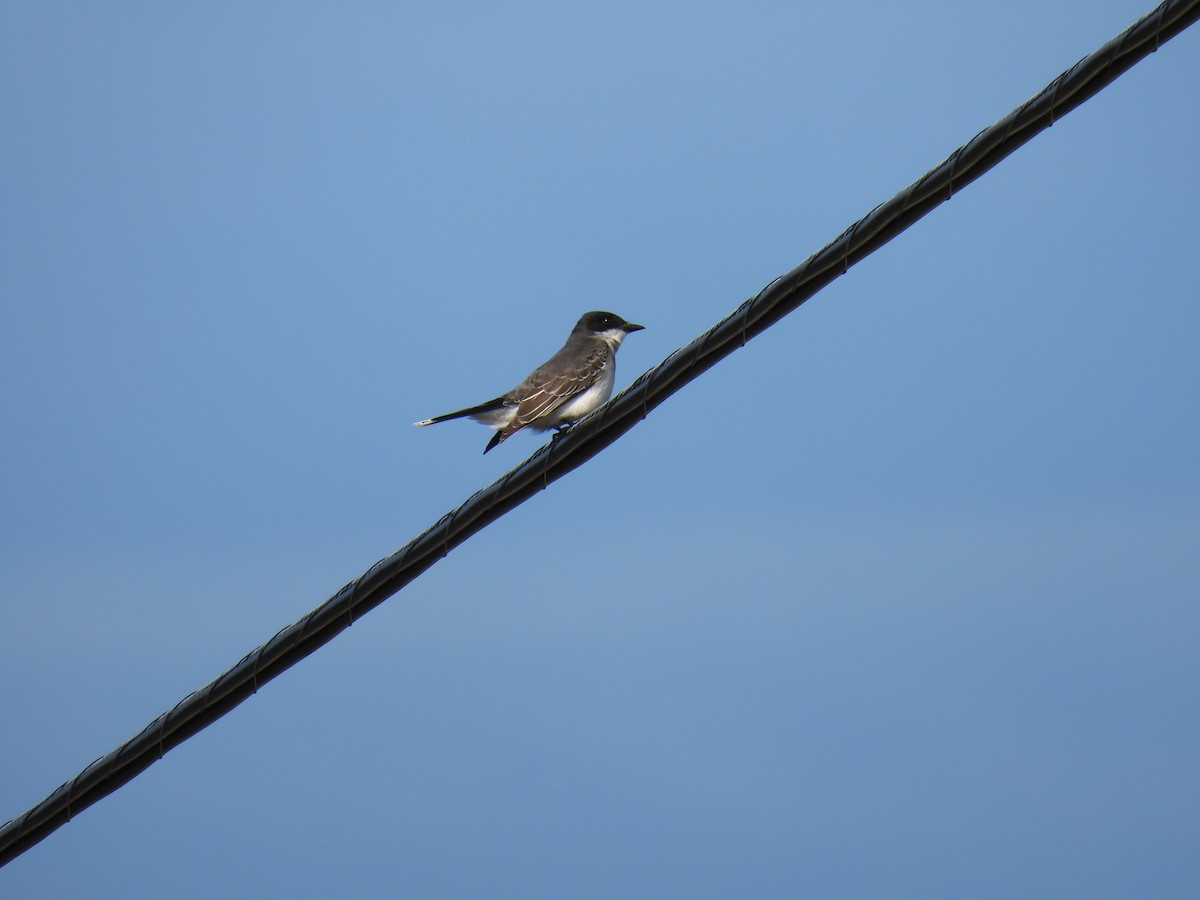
<point>490,406</point>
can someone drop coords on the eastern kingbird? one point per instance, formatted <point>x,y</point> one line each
<point>565,388</point>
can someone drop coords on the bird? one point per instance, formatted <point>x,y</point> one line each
<point>562,390</point>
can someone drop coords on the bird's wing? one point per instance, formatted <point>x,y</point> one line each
<point>544,391</point>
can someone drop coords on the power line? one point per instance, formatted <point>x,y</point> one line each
<point>591,435</point>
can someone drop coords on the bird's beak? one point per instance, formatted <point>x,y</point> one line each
<point>630,327</point>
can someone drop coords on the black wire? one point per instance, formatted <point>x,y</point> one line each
<point>592,434</point>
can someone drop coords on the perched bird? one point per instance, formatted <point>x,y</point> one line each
<point>565,388</point>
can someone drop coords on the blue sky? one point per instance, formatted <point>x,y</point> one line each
<point>900,600</point>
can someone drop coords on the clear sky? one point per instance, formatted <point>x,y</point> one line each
<point>899,600</point>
